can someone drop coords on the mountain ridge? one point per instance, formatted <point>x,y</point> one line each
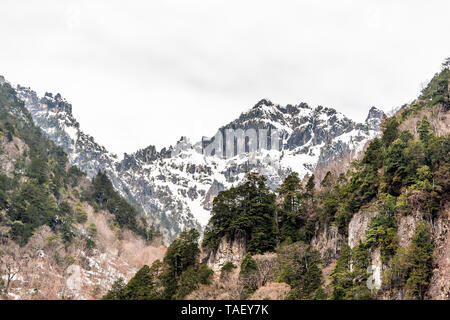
<point>174,186</point>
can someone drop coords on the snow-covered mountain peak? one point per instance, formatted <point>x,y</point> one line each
<point>175,186</point>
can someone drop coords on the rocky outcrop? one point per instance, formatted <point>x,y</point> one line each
<point>216,187</point>
<point>357,229</point>
<point>407,224</point>
<point>407,227</point>
<point>328,242</point>
<point>10,153</point>
<point>376,270</point>
<point>374,118</point>
<point>358,226</point>
<point>229,250</point>
<point>75,280</point>
<point>440,280</point>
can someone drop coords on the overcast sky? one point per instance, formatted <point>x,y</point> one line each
<point>147,72</point>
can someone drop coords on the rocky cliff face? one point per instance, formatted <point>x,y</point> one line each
<point>440,281</point>
<point>439,284</point>
<point>328,242</point>
<point>229,250</point>
<point>359,225</point>
<point>357,230</point>
<point>175,186</point>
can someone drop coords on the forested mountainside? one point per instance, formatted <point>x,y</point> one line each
<point>62,235</point>
<point>174,187</point>
<point>378,231</point>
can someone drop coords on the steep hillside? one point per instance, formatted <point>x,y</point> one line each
<point>175,186</point>
<point>61,235</point>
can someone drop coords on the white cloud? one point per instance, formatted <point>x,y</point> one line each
<point>147,72</point>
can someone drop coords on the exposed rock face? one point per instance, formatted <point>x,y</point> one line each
<point>75,280</point>
<point>328,242</point>
<point>12,150</point>
<point>358,226</point>
<point>175,186</point>
<point>376,269</point>
<point>229,250</point>
<point>373,118</point>
<point>407,227</point>
<point>216,187</point>
<point>440,281</point>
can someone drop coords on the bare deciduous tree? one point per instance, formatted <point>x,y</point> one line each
<point>12,262</point>
<point>267,264</point>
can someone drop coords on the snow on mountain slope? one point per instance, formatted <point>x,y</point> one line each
<point>175,186</point>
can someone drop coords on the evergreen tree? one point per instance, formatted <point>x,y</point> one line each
<point>421,264</point>
<point>145,285</point>
<point>290,213</point>
<point>390,131</point>
<point>140,286</point>
<point>341,277</point>
<point>248,264</point>
<point>374,154</point>
<point>310,186</point>
<point>290,192</point>
<point>300,268</point>
<point>181,255</point>
<point>425,131</point>
<point>34,206</point>
<point>117,291</point>
<point>247,210</point>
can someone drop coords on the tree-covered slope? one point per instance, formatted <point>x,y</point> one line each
<point>42,194</point>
